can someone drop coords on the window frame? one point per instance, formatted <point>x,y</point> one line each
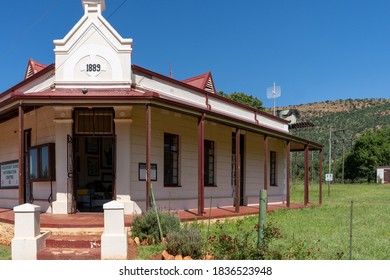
<point>94,113</point>
<point>171,156</point>
<point>209,145</point>
<point>273,169</point>
<point>50,163</point>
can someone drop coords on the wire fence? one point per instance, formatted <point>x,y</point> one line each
<point>355,229</point>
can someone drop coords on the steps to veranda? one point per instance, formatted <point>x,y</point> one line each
<point>71,247</point>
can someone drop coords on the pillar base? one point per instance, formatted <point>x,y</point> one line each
<point>59,207</point>
<point>114,246</point>
<point>28,248</point>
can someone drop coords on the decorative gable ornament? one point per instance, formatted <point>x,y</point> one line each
<point>33,67</point>
<point>93,54</point>
<point>204,82</point>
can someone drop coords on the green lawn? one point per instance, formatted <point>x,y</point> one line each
<point>5,252</point>
<point>330,223</point>
<point>323,232</point>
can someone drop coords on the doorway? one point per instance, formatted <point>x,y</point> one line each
<point>93,157</point>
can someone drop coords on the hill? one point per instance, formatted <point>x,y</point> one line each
<point>347,119</point>
<point>352,116</point>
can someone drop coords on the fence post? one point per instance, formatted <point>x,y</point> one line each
<point>350,232</point>
<point>114,238</point>
<point>28,239</point>
<point>262,217</point>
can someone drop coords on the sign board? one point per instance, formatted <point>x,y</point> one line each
<point>142,172</point>
<point>329,177</point>
<point>9,174</point>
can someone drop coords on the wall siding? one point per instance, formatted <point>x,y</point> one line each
<point>185,196</point>
<point>41,123</point>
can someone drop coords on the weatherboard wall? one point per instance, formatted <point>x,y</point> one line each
<point>211,102</point>
<point>40,121</point>
<point>185,196</point>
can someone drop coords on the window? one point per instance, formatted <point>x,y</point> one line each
<point>273,169</point>
<point>95,121</point>
<point>171,159</point>
<point>209,163</point>
<point>42,163</point>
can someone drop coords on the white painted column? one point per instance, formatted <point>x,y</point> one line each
<point>123,123</point>
<point>63,127</point>
<point>28,239</point>
<point>114,238</point>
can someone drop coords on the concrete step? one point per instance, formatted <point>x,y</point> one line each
<point>73,241</point>
<point>71,247</point>
<point>69,254</point>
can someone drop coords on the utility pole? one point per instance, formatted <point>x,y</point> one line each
<point>330,148</point>
<point>330,159</point>
<point>342,154</point>
<point>342,165</point>
<point>334,160</point>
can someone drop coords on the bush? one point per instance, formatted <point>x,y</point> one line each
<point>238,244</point>
<point>301,250</point>
<point>145,227</point>
<point>186,242</point>
<point>238,241</point>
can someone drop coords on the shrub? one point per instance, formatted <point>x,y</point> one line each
<point>238,244</point>
<point>301,250</point>
<point>186,242</point>
<point>146,225</point>
<point>239,247</point>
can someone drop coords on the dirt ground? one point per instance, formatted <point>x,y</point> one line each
<point>6,234</point>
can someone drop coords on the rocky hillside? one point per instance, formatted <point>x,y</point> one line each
<point>346,119</point>
<point>349,118</point>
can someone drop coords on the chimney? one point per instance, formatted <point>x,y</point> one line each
<point>93,6</point>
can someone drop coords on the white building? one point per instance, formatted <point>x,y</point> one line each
<point>383,174</point>
<point>93,127</point>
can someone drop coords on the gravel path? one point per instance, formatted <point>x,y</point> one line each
<point>6,233</point>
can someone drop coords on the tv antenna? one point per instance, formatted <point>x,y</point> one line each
<point>273,92</point>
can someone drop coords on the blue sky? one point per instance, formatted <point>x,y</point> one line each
<point>316,50</point>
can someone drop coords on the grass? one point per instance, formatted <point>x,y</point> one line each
<point>5,252</point>
<point>323,232</point>
<point>146,252</point>
<point>330,223</point>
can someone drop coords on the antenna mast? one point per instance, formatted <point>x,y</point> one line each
<point>274,92</point>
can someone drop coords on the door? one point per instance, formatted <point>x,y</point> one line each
<point>28,194</point>
<point>70,178</point>
<point>94,158</point>
<point>386,176</point>
<point>94,172</point>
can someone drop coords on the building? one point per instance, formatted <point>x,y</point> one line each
<point>383,175</point>
<point>93,127</point>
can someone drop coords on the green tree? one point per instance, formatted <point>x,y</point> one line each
<point>244,99</point>
<point>370,150</point>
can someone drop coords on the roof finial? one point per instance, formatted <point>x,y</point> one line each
<point>93,6</point>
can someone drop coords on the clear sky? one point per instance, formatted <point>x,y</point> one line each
<point>316,50</point>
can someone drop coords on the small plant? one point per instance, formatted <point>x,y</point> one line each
<point>145,227</point>
<point>300,250</point>
<point>238,244</point>
<point>186,242</point>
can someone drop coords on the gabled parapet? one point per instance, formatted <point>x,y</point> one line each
<point>93,54</point>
